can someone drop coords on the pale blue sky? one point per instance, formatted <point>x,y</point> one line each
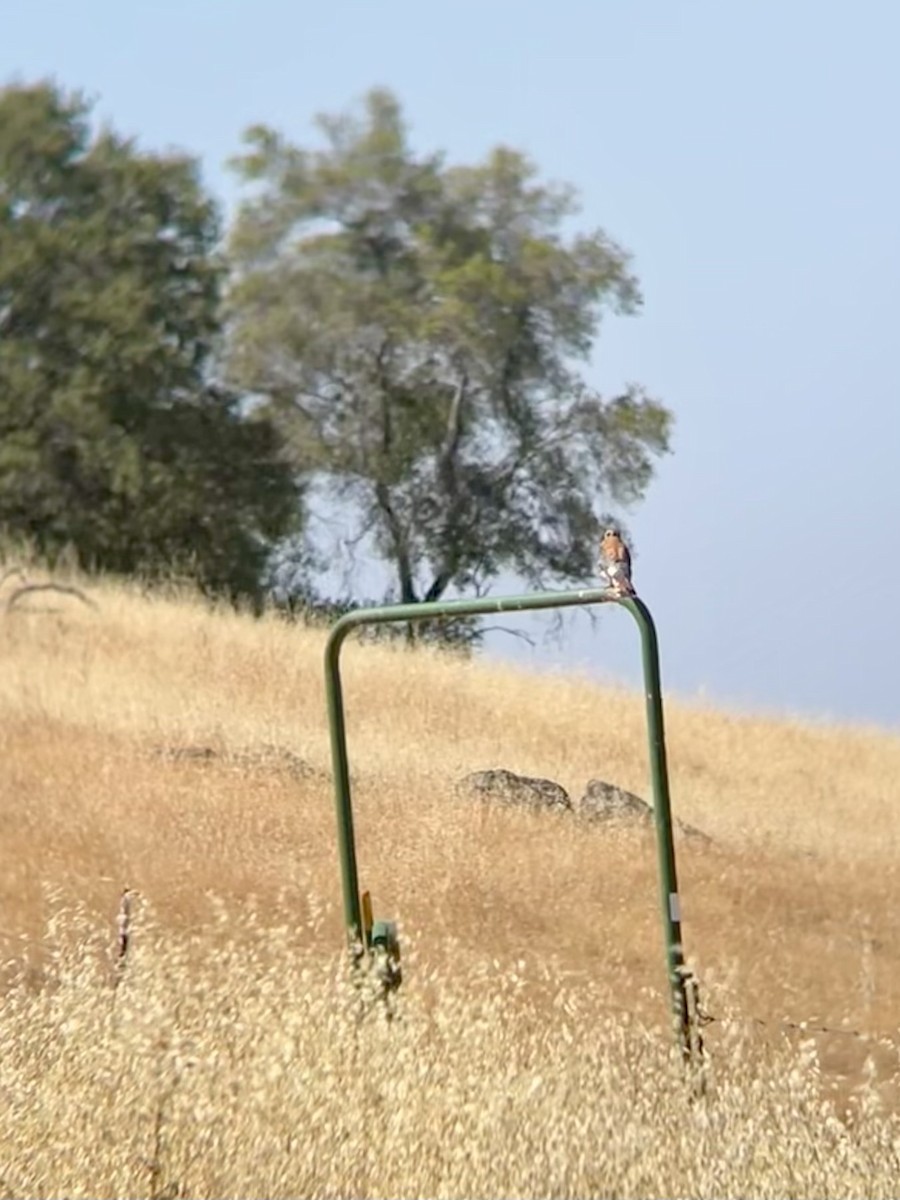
<point>747,154</point>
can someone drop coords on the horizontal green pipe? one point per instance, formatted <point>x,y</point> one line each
<point>383,615</point>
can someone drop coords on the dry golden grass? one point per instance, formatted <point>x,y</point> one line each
<point>531,1056</point>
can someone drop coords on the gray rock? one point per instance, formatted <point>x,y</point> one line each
<point>265,757</point>
<point>691,831</point>
<point>605,802</point>
<point>268,757</point>
<point>184,753</point>
<point>508,788</point>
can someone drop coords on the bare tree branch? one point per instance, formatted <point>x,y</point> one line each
<point>517,633</point>
<point>398,538</point>
<point>366,526</point>
<point>449,482</point>
<point>439,585</point>
<point>450,448</point>
<point>11,573</point>
<point>63,588</point>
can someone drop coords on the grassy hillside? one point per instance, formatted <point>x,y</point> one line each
<point>530,1057</point>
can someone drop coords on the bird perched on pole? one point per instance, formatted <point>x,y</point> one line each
<point>615,562</point>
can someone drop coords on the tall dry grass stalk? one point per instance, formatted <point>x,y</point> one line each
<point>241,1063</point>
<point>184,752</point>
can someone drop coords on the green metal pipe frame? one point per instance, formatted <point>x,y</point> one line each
<point>679,980</point>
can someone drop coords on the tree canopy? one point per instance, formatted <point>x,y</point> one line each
<point>416,330</point>
<point>115,439</point>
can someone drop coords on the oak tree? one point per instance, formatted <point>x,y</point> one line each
<point>115,439</point>
<point>417,330</point>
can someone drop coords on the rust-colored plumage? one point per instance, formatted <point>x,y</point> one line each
<point>615,562</point>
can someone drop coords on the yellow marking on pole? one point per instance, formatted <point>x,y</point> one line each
<point>367,915</point>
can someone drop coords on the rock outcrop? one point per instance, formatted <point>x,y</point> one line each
<point>601,803</point>
<point>506,787</point>
<point>604,802</point>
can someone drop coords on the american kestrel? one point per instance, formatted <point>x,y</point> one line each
<point>615,562</point>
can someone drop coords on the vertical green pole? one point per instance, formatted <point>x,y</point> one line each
<point>662,809</point>
<point>346,838</point>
